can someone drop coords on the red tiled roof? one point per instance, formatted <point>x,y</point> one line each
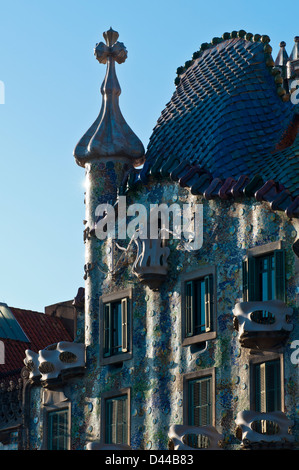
<point>41,330</point>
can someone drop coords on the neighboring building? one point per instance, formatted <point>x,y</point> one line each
<point>177,347</point>
<point>21,330</point>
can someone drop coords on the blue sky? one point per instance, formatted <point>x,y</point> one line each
<point>52,83</point>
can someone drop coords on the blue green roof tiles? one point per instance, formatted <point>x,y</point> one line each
<point>229,129</point>
<point>227,116</point>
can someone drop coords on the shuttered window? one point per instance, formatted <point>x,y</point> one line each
<point>267,386</point>
<point>200,401</point>
<point>116,415</point>
<point>198,306</point>
<point>58,430</point>
<point>264,277</point>
<point>116,327</point>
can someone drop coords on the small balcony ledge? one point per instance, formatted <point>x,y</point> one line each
<point>56,363</point>
<point>269,430</point>
<point>263,325</point>
<point>184,437</point>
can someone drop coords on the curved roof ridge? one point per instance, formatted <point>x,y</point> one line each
<point>229,113</point>
<point>236,35</point>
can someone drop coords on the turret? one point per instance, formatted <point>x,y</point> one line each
<point>107,150</point>
<point>293,62</point>
<point>281,63</point>
<point>109,137</point>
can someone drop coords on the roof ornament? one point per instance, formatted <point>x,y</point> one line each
<point>281,64</point>
<point>109,137</point>
<point>293,63</point>
<point>295,52</point>
<point>282,56</point>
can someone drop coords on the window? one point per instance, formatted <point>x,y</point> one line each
<point>200,402</point>
<point>199,398</point>
<point>58,430</point>
<point>115,327</point>
<point>267,386</point>
<point>9,440</point>
<point>267,390</point>
<point>115,330</point>
<point>198,307</point>
<point>115,423</point>
<point>57,421</point>
<point>116,420</point>
<point>264,273</point>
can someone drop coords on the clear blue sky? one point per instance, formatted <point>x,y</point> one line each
<point>52,96</point>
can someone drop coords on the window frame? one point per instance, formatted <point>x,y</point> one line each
<point>201,374</point>
<point>262,359</point>
<point>50,432</point>
<point>250,285</point>
<point>105,300</point>
<point>112,394</point>
<point>199,274</point>
<point>55,401</point>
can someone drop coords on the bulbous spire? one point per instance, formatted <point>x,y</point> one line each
<point>295,51</point>
<point>109,137</point>
<point>293,63</point>
<point>282,56</point>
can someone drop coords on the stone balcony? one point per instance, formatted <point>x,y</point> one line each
<point>263,325</point>
<point>264,430</point>
<point>184,437</point>
<point>56,363</point>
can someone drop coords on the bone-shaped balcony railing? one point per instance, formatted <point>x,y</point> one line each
<point>185,437</point>
<point>51,362</point>
<point>263,318</point>
<point>271,427</point>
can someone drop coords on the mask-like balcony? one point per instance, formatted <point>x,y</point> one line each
<point>184,437</point>
<point>151,266</point>
<point>56,363</point>
<point>264,430</point>
<point>263,325</point>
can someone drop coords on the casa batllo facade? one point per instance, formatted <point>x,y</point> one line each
<point>181,347</point>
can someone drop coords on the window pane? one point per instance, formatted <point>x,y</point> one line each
<point>266,277</point>
<point>267,386</point>
<point>58,430</point>
<point>272,278</point>
<point>200,406</point>
<point>189,308</point>
<point>116,420</point>
<point>116,328</point>
<point>273,386</point>
<point>107,327</point>
<point>199,306</point>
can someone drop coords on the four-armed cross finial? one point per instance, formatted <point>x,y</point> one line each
<point>112,48</point>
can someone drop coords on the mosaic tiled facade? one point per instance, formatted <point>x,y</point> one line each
<point>249,210</point>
